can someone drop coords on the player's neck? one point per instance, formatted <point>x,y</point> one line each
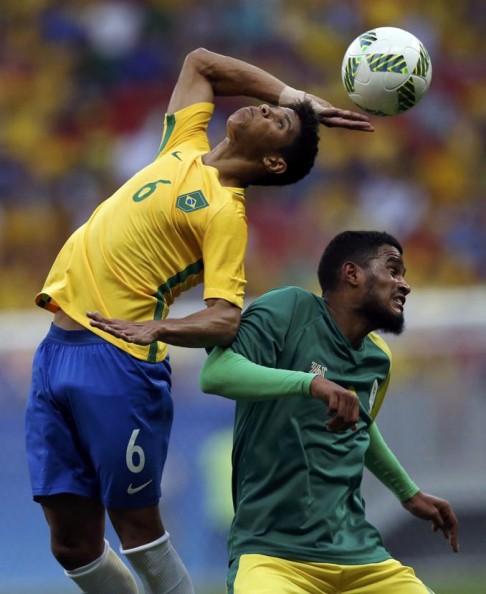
<point>351,324</point>
<point>233,170</point>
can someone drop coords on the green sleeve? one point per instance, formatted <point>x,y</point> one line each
<point>231,375</point>
<point>382,462</point>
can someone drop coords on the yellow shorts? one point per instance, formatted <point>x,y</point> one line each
<point>261,574</point>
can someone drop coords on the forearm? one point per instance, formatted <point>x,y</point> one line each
<point>231,375</point>
<point>381,461</point>
<point>214,326</point>
<point>232,77</point>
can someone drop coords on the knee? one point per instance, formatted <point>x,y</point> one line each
<point>73,555</point>
<point>137,527</point>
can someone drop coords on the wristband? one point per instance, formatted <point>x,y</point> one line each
<point>289,96</point>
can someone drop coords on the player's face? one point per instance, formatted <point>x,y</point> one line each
<point>264,128</point>
<point>385,291</point>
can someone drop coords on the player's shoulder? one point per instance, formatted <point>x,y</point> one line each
<point>288,294</point>
<point>186,129</point>
<point>193,117</point>
<point>227,207</point>
<point>203,108</point>
<point>379,342</point>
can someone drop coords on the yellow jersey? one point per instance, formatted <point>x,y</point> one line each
<point>168,228</point>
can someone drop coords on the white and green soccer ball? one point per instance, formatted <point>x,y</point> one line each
<point>386,71</point>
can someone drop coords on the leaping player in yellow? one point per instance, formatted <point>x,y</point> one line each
<point>99,414</point>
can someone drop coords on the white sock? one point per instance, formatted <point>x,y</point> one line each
<point>160,568</point>
<point>105,575</point>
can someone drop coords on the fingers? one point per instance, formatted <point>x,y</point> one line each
<point>439,512</point>
<point>450,534</point>
<point>337,425</point>
<point>134,332</point>
<point>343,410</point>
<point>110,326</point>
<point>94,315</point>
<point>444,519</point>
<point>340,118</point>
<point>345,114</point>
<point>453,541</point>
<point>97,320</point>
<point>333,117</point>
<point>449,525</point>
<point>342,404</point>
<point>359,125</point>
<point>437,522</point>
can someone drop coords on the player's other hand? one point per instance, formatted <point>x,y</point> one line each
<point>143,333</point>
<point>343,405</point>
<point>439,512</point>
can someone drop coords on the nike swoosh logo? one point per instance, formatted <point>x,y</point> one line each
<point>176,155</point>
<point>131,490</point>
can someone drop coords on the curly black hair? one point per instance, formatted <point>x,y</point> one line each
<point>357,246</point>
<point>300,154</point>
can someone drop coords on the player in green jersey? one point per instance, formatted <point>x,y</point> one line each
<point>99,414</point>
<point>299,523</point>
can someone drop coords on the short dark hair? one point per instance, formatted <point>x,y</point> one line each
<point>357,246</point>
<point>300,154</point>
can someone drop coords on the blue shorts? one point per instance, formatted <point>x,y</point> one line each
<point>97,422</point>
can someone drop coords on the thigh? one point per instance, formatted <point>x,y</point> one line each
<point>98,421</point>
<point>56,461</point>
<point>124,420</point>
<point>262,574</point>
<point>383,578</point>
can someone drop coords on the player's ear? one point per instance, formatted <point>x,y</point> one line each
<point>352,273</point>
<point>275,164</point>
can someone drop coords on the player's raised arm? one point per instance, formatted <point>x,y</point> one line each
<point>206,74</point>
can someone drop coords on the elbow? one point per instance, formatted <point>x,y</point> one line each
<point>223,323</point>
<point>206,385</point>
<point>231,327</point>
<point>208,380</point>
<point>199,60</point>
<point>202,61</point>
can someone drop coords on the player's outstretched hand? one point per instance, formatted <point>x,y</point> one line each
<point>439,511</point>
<point>142,333</point>
<point>343,405</point>
<point>333,117</point>
<point>328,115</point>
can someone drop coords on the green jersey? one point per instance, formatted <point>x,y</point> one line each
<point>296,485</point>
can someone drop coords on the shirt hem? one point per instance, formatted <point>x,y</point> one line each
<point>312,557</point>
<point>226,295</point>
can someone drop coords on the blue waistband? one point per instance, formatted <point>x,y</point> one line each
<point>73,336</point>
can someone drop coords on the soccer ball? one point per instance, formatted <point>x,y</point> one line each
<point>386,71</point>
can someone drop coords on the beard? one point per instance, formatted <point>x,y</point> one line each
<point>380,316</point>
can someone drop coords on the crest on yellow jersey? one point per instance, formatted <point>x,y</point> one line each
<point>191,201</point>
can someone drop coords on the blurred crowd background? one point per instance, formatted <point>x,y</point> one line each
<point>83,90</point>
